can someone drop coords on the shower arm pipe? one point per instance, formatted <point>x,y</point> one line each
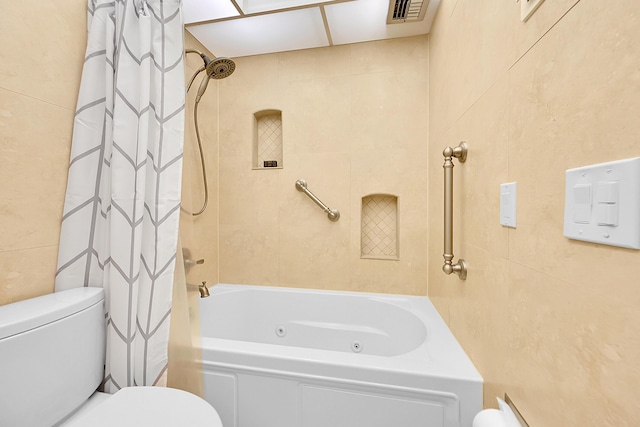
<point>460,267</point>
<point>194,51</point>
<point>332,214</point>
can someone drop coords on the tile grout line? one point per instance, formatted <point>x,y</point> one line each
<point>543,35</point>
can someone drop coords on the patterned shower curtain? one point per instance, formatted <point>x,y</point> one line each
<point>122,207</point>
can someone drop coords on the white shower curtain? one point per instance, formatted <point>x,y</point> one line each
<point>122,207</point>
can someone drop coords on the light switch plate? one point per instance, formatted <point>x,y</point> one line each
<point>611,214</point>
<point>527,7</point>
<point>508,193</point>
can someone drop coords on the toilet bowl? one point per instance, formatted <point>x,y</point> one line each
<point>153,406</point>
<point>52,361</point>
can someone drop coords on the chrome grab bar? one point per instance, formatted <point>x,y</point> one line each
<point>460,153</point>
<point>333,214</point>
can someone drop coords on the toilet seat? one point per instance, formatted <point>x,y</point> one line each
<point>150,406</point>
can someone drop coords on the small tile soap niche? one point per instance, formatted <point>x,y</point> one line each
<point>379,227</point>
<point>267,139</point>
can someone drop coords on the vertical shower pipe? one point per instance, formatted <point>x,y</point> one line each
<point>460,153</point>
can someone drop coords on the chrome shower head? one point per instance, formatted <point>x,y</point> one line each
<point>219,68</point>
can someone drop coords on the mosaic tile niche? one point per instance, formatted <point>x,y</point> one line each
<point>267,140</point>
<point>379,227</point>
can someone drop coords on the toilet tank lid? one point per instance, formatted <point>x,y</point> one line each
<point>32,313</point>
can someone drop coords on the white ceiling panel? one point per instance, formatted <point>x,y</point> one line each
<point>255,6</point>
<point>277,32</point>
<point>366,20</point>
<point>205,10</point>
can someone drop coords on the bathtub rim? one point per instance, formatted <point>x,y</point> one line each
<point>444,356</point>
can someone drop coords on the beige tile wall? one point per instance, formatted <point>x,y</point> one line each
<point>42,48</point>
<point>555,323</point>
<point>355,122</point>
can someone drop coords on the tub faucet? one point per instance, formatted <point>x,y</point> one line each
<point>204,291</point>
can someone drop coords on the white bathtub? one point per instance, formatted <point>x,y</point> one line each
<point>281,357</point>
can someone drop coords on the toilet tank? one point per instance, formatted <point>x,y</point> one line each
<point>51,355</point>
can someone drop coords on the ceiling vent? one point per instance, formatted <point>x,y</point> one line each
<point>401,11</point>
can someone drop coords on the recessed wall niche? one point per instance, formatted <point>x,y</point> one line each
<point>267,139</point>
<point>379,227</point>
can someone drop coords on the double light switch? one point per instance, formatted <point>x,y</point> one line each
<point>602,203</point>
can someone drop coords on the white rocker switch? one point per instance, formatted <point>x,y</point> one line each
<point>582,203</point>
<point>607,203</point>
<point>607,214</point>
<point>607,192</point>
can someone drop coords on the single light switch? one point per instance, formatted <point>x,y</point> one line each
<point>607,214</point>
<point>582,203</point>
<point>606,207</point>
<point>508,204</point>
<point>607,192</point>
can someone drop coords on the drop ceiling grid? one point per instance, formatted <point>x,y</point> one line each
<point>307,24</point>
<point>277,32</point>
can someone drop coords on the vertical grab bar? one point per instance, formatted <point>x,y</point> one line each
<point>460,153</point>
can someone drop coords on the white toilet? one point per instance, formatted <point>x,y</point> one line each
<point>52,361</point>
